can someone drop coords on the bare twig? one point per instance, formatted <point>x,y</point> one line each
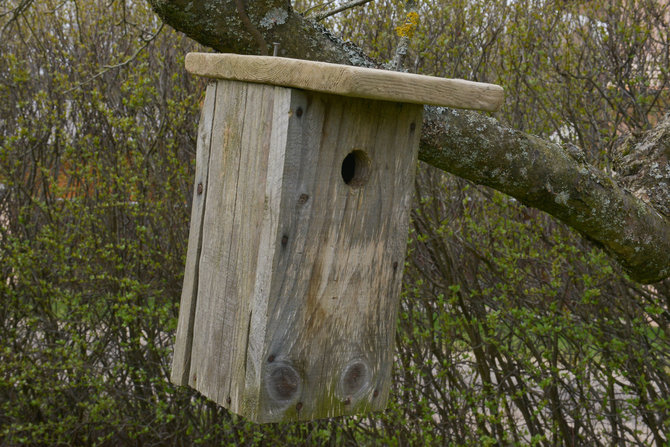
<point>344,7</point>
<point>139,50</point>
<point>319,6</point>
<point>107,68</point>
<point>15,13</point>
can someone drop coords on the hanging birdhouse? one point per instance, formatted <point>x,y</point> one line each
<point>303,188</point>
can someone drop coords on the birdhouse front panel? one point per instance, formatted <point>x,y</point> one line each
<point>297,266</point>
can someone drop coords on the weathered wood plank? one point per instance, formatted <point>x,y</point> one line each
<point>340,250</point>
<point>266,258</point>
<point>237,169</point>
<point>181,361</point>
<point>347,80</point>
<point>250,209</point>
<point>215,309</point>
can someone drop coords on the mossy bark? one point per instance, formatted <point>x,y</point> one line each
<point>543,175</point>
<point>219,25</point>
<point>474,146</point>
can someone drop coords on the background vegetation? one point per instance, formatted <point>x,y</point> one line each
<point>512,330</point>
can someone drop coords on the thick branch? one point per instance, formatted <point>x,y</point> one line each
<point>217,24</point>
<point>643,166</point>
<point>542,175</point>
<point>476,147</point>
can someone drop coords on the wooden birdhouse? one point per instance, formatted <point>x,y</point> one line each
<point>304,181</point>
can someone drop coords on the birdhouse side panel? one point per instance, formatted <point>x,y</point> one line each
<point>230,238</point>
<point>181,361</point>
<point>249,403</point>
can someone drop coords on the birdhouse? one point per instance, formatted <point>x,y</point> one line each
<point>304,182</point>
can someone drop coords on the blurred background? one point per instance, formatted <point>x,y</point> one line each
<point>513,329</point>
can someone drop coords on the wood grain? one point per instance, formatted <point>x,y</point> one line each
<point>181,360</point>
<point>339,255</point>
<point>347,80</point>
<point>299,272</point>
<point>238,163</point>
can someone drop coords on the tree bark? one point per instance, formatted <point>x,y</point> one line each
<point>474,146</point>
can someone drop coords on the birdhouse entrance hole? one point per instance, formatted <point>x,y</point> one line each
<point>356,168</point>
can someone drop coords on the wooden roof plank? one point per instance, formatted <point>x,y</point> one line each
<point>347,80</point>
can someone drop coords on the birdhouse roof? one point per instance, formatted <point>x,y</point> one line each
<point>347,80</point>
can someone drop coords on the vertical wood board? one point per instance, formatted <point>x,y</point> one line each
<point>181,360</point>
<point>237,168</point>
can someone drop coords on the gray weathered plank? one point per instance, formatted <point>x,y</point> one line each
<point>266,250</point>
<point>214,309</point>
<point>238,165</point>
<point>250,209</point>
<point>181,360</point>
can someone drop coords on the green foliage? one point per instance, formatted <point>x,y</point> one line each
<point>512,329</point>
<point>97,164</point>
<point>531,335</point>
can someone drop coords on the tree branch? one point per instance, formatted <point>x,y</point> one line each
<point>543,175</point>
<point>473,146</point>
